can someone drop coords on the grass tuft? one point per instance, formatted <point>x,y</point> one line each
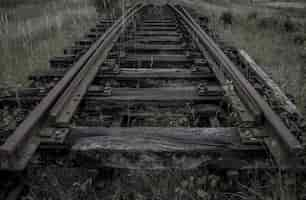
<point>227,18</point>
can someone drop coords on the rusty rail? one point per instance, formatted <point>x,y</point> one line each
<point>20,146</point>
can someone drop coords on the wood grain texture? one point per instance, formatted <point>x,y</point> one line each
<point>154,139</point>
<point>156,148</point>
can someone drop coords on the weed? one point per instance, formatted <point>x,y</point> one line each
<point>289,25</point>
<point>299,38</point>
<point>267,22</point>
<point>227,18</point>
<point>253,15</point>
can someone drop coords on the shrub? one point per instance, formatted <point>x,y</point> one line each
<point>252,15</point>
<point>227,18</point>
<point>204,19</point>
<point>289,25</point>
<point>299,38</point>
<point>268,22</point>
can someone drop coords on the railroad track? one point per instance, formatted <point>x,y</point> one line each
<point>154,83</point>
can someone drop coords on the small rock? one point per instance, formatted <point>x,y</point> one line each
<point>232,173</point>
<point>202,194</point>
<point>184,184</point>
<point>213,181</point>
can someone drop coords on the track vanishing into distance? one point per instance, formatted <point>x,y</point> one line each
<point>154,83</point>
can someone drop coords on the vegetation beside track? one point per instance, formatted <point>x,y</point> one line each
<point>275,38</point>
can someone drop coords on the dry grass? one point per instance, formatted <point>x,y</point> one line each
<point>30,34</point>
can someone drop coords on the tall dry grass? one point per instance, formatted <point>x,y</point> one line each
<point>31,33</point>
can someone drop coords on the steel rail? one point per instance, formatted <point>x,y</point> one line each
<point>67,104</point>
<point>19,140</point>
<point>293,146</point>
